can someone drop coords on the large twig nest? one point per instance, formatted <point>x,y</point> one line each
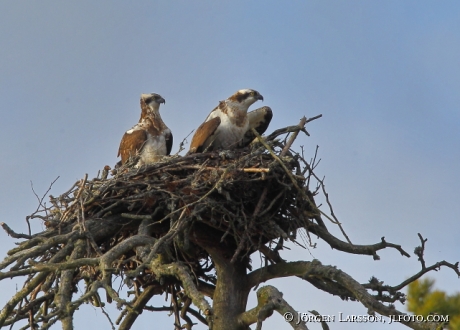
<point>244,195</point>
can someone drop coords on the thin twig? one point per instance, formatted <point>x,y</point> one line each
<point>288,145</point>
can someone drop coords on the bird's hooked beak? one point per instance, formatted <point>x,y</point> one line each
<point>161,100</point>
<point>260,97</point>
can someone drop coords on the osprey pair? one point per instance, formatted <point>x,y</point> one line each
<point>227,126</point>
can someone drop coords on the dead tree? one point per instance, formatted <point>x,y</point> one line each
<point>186,228</point>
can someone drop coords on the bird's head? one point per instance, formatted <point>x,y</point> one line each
<point>151,101</point>
<point>246,97</point>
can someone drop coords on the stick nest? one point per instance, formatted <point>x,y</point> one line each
<point>245,197</point>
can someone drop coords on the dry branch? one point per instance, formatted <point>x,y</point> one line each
<point>269,299</point>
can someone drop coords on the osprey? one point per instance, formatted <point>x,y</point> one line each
<point>150,139</point>
<point>229,124</point>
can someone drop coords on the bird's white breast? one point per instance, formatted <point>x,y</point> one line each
<point>228,134</point>
<point>154,149</point>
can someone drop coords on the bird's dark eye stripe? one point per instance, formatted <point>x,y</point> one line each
<point>149,99</point>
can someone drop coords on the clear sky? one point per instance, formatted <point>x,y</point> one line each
<point>384,74</point>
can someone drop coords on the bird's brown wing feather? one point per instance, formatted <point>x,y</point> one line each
<point>169,143</point>
<point>259,119</point>
<point>202,133</point>
<point>131,143</point>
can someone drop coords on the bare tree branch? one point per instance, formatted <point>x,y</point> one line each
<point>269,299</point>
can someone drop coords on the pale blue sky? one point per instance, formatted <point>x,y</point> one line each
<point>384,74</point>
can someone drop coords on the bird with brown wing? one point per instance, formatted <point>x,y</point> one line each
<point>150,139</point>
<point>229,124</point>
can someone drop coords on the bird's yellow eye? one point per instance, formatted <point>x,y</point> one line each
<point>253,93</point>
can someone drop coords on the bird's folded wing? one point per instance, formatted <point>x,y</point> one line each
<point>131,143</point>
<point>205,131</point>
<point>259,119</point>
<point>169,142</point>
